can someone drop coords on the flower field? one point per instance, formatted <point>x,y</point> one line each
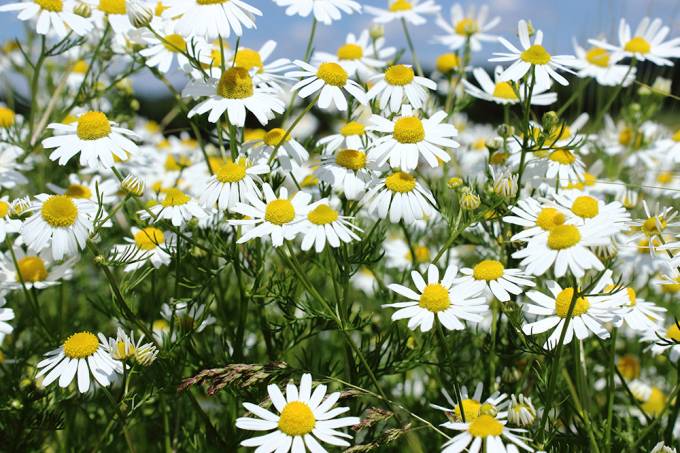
<point>335,250</point>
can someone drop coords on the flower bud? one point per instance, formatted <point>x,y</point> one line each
<point>139,14</point>
<point>505,131</point>
<point>521,411</point>
<point>469,200</point>
<point>662,86</point>
<point>447,62</point>
<point>133,185</point>
<point>454,182</point>
<point>83,10</point>
<point>505,185</point>
<point>376,31</point>
<point>493,143</point>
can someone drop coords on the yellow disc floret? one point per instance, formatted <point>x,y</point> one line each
<point>504,90</point>
<point>586,207</point>
<point>466,27</point>
<point>175,43</point>
<point>149,238</point>
<point>563,302</point>
<point>297,419</point>
<point>562,156</point>
<point>409,129</point>
<point>31,269</point>
<point>175,197</point>
<point>55,6</point>
<point>279,212</point>
<point>563,237</point>
<point>210,2</point>
<point>471,409</point>
<point>93,126</point>
<point>59,211</point>
<point>399,75</point>
<point>549,218</point>
<point>598,57</point>
<point>235,83</point>
<point>81,345</point>
<point>638,44</point>
<point>351,159</point>
<point>673,332</point>
<point>352,128</point>
<point>231,171</point>
<point>488,270</point>
<point>350,52</point>
<point>400,5</point>
<point>275,137</point>
<point>535,54</point>
<point>400,182</point>
<point>654,225</point>
<point>4,208</point>
<point>435,298</point>
<point>78,191</point>
<point>6,117</point>
<point>332,74</point>
<point>112,6</point>
<point>322,215</point>
<point>485,425</point>
<point>249,59</point>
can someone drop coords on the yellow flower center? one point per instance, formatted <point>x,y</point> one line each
<point>351,159</point>
<point>673,332</point>
<point>446,62</point>
<point>400,5</point>
<point>249,59</point>
<point>563,301</point>
<point>59,211</point>
<point>664,177</point>
<point>297,419</point>
<point>279,212</point>
<point>655,403</point>
<point>350,52</point>
<point>4,208</point>
<point>322,215</point>
<point>78,191</point>
<point>466,27</point>
<point>638,44</point>
<point>671,287</point>
<point>562,156</point>
<point>654,225</point>
<point>175,197</point>
<point>112,6</point>
<point>55,6</point>
<point>93,126</point>
<point>498,158</point>
<point>210,2</point>
<point>629,366</point>
<point>6,117</point>
<point>675,137</point>
<point>332,74</point>
<point>31,269</point>
<point>598,57</point>
<point>549,218</point>
<point>399,75</point>
<point>563,236</point>
<point>159,8</point>
<point>400,182</point>
<point>172,164</point>
<point>488,270</point>
<point>123,350</point>
<point>81,345</point>
<point>535,54</point>
<point>149,238</point>
<point>485,425</point>
<point>352,128</point>
<point>231,171</point>
<point>504,90</point>
<point>435,298</point>
<point>585,206</point>
<point>175,43</point>
<point>471,409</point>
<point>409,129</point>
<point>275,136</point>
<point>235,83</point>
<point>422,254</point>
<point>309,181</point>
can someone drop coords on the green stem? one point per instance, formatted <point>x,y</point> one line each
<point>411,47</point>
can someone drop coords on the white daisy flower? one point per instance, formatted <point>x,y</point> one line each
<point>81,354</point>
<point>7,224</point>
<point>176,206</point>
<point>124,347</point>
<point>535,217</point>
<point>639,314</point>
<point>402,197</point>
<point>562,164</point>
<point>654,225</point>
<point>270,74</point>
<point>95,189</point>
<point>521,411</point>
<point>304,418</point>
<point>472,405</point>
<point>486,433</point>
<point>664,340</point>
<point>410,139</point>
<point>396,82</point>
<point>210,18</point>
<point>35,270</point>
<point>588,209</point>
<point>645,44</point>
<point>54,15</point>
<point>450,302</point>
<point>411,11</point>
<point>289,150</point>
<point>278,217</point>
<point>325,11</point>
<point>113,12</point>
<point>499,280</point>
<point>598,63</point>
<point>347,171</point>
<point>566,247</point>
<point>503,92</point>
<point>59,222</point>
<point>169,46</point>
<point>324,224</point>
<point>462,27</point>
<point>10,170</point>
<point>330,79</point>
<point>232,183</point>
<point>589,314</point>
<point>359,56</point>
<point>186,316</point>
<point>6,314</point>
<point>352,135</point>
<point>234,93</point>
<point>532,55</point>
<point>147,245</point>
<point>97,139</point>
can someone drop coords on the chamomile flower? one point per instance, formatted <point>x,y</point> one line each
<point>598,63</point>
<point>589,209</point>
<point>640,314</point>
<point>503,92</point>
<point>664,340</point>
<point>94,189</point>
<point>352,135</point>
<point>185,316</point>
<point>112,12</point>
<point>166,47</point>
<point>499,280</point>
<point>521,411</point>
<point>646,43</point>
<point>657,221</point>
<point>234,93</point>
<point>33,270</point>
<point>359,55</point>
<point>175,206</point>
<point>401,196</point>
<point>304,418</point>
<point>278,217</point>
<point>232,183</point>
<point>59,222</point>
<point>397,82</point>
<point>147,245</point>
<point>97,139</point>
<point>6,314</point>
<point>10,169</point>
<point>485,433</point>
<point>472,405</point>
<point>324,224</point>
<point>347,171</point>
<point>465,27</point>
<point>589,314</point>
<point>82,354</point>
<point>289,150</point>
<point>535,217</point>
<point>325,11</point>
<point>210,18</point>
<point>8,225</point>
<point>124,347</point>
<point>562,164</point>
<point>330,79</point>
<point>449,302</point>
<point>270,74</point>
<point>409,139</point>
<point>57,15</point>
<point>534,55</point>
<point>411,11</point>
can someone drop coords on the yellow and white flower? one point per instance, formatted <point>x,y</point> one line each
<point>399,81</point>
<point>359,56</point>
<point>348,171</point>
<point>499,280</point>
<point>8,225</point>
<point>56,15</point>
<point>330,79</point>
<point>175,206</point>
<point>33,270</point>
<point>210,18</point>
<point>304,418</point>
<point>463,27</point>
<point>149,244</point>
<point>324,224</point>
<point>472,405</point>
<point>124,348</point>
<point>503,92</point>
<point>599,64</point>
<point>352,135</point>
<point>270,74</point>
<point>289,150</point>
<point>232,183</point>
<point>401,196</point>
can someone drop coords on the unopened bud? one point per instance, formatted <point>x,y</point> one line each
<point>376,31</point>
<point>139,14</point>
<point>662,86</point>
<point>83,10</point>
<point>493,143</point>
<point>133,185</point>
<point>469,200</point>
<point>505,131</point>
<point>506,185</point>
<point>454,182</point>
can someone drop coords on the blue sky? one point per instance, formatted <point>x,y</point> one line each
<point>560,20</point>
